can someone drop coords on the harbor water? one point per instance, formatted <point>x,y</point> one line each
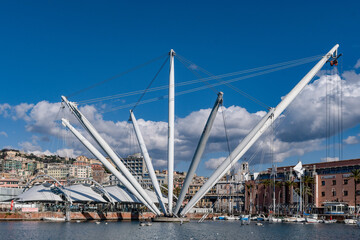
<point>193,230</point>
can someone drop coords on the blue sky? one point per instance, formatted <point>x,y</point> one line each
<point>54,48</point>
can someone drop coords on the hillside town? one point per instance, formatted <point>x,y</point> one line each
<point>329,187</point>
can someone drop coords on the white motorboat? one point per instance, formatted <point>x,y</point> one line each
<point>313,220</point>
<point>261,217</point>
<point>350,221</point>
<point>330,221</point>
<point>275,220</point>
<point>232,218</point>
<point>53,219</point>
<point>290,219</point>
<point>300,219</point>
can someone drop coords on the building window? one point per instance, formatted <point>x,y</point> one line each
<point>334,193</point>
<point>346,193</point>
<point>346,181</point>
<point>323,194</point>
<point>334,182</point>
<point>323,183</point>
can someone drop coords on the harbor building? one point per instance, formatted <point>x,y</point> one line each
<point>324,184</point>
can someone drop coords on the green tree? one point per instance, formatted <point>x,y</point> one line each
<point>164,190</point>
<point>279,184</point>
<point>177,191</point>
<point>266,183</point>
<point>307,188</point>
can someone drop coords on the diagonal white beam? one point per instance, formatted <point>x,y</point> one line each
<point>106,163</point>
<point>113,156</point>
<point>148,161</point>
<point>254,134</point>
<point>199,152</point>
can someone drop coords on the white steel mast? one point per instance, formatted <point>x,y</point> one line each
<point>106,163</point>
<point>148,161</point>
<point>254,134</point>
<point>198,152</point>
<point>171,132</point>
<point>113,156</point>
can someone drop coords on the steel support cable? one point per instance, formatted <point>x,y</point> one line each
<point>227,84</point>
<point>116,76</point>
<point>313,58</point>
<point>151,82</point>
<point>204,87</point>
<point>257,101</point>
<point>235,88</point>
<point>198,75</point>
<point>299,62</point>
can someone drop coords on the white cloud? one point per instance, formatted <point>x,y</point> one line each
<point>21,111</point>
<point>4,109</point>
<point>29,147</point>
<point>301,129</point>
<point>3,134</point>
<point>213,163</point>
<point>160,163</point>
<point>357,65</point>
<point>351,140</point>
<point>330,159</point>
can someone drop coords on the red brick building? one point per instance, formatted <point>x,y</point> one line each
<point>324,182</point>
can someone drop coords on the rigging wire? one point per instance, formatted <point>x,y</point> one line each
<point>152,81</point>
<point>116,76</point>
<point>204,87</point>
<point>196,74</point>
<point>292,63</point>
<point>257,101</point>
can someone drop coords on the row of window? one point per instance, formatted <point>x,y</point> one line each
<point>346,193</point>
<point>346,181</point>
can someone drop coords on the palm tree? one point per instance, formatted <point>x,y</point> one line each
<point>307,188</point>
<point>356,175</point>
<point>266,184</point>
<point>279,184</point>
<point>249,193</point>
<point>291,185</point>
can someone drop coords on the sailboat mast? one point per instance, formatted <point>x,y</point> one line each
<point>171,132</point>
<point>274,200</point>
<point>300,195</point>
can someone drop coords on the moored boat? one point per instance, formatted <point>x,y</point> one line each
<point>350,221</point>
<point>53,219</point>
<point>330,221</point>
<point>275,220</point>
<point>313,220</point>
<point>290,219</point>
<point>261,217</point>
<point>232,217</point>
